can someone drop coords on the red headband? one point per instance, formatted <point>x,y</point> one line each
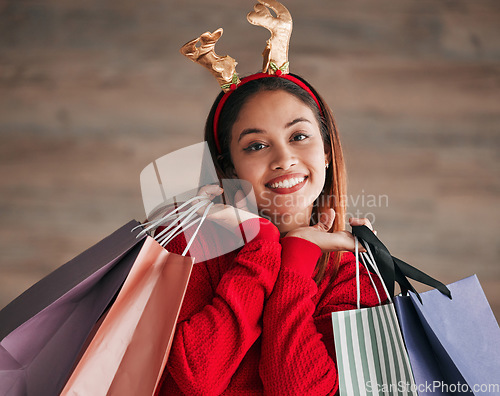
<point>256,76</point>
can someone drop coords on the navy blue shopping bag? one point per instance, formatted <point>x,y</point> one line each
<point>453,344</point>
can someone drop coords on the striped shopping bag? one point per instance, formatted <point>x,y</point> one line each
<point>371,355</point>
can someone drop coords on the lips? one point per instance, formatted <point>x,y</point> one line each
<point>287,184</point>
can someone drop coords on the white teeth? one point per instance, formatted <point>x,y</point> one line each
<point>288,183</point>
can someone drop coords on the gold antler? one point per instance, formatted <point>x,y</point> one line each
<point>223,68</point>
<point>276,52</point>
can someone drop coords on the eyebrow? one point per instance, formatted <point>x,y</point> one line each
<point>296,121</point>
<point>249,131</point>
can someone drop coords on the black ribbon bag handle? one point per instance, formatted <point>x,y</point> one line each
<point>393,269</point>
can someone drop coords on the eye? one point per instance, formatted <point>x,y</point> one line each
<point>300,136</point>
<point>255,147</point>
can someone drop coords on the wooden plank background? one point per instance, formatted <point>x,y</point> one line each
<point>92,91</point>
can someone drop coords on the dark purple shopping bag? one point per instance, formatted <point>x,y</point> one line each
<point>453,344</point>
<point>43,330</point>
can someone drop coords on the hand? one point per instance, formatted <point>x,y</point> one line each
<point>353,221</point>
<point>226,215</point>
<point>330,241</point>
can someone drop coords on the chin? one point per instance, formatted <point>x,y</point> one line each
<point>279,205</point>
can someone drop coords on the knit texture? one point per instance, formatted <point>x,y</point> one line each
<point>255,322</point>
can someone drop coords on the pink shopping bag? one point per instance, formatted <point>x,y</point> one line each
<point>130,349</point>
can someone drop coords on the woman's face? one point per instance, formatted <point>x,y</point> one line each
<point>276,145</point>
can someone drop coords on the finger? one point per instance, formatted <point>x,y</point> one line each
<point>337,241</point>
<point>351,244</point>
<point>210,191</point>
<point>326,219</point>
<point>353,221</point>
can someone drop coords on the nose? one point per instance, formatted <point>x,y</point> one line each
<point>283,158</point>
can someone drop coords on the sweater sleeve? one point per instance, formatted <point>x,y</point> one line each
<point>296,355</point>
<point>209,346</point>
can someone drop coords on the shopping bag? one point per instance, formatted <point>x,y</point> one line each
<point>391,269</point>
<point>371,357</point>
<point>426,369</point>
<point>43,330</point>
<point>454,345</point>
<point>129,352</point>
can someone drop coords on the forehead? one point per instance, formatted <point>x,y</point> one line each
<point>279,105</point>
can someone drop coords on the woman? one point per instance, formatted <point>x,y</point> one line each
<point>258,320</point>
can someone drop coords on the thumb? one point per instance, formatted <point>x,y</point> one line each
<point>326,220</point>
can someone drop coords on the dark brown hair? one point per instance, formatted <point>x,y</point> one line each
<point>334,189</point>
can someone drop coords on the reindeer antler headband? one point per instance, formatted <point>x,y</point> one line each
<point>224,68</point>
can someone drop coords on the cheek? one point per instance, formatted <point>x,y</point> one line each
<point>317,167</point>
<point>252,176</point>
<point>246,170</point>
<point>316,161</point>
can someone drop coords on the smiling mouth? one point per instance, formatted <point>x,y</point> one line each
<point>287,186</point>
<point>288,183</point>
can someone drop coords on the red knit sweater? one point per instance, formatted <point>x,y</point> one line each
<point>255,322</point>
